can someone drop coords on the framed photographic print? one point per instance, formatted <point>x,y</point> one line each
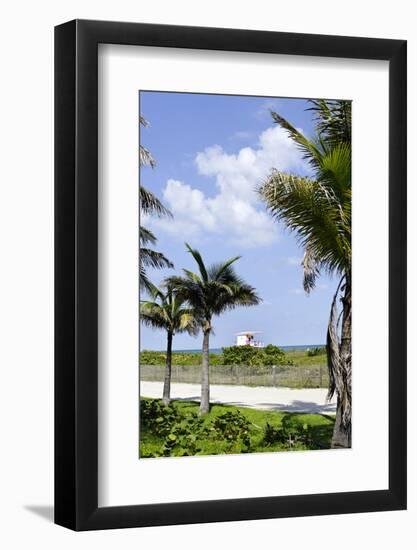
<point>230,275</point>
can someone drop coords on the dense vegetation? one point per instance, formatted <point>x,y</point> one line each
<point>248,355</point>
<point>178,430</point>
<point>265,356</point>
<point>148,357</point>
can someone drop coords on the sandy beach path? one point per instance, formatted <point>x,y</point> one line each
<point>279,399</point>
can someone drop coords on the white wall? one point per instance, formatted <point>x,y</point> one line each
<point>26,299</point>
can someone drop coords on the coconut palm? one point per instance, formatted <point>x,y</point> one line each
<point>318,210</point>
<point>169,312</point>
<point>149,205</point>
<point>210,292</point>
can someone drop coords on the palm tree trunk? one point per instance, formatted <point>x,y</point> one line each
<point>166,396</point>
<point>205,381</point>
<point>342,433</point>
<point>341,438</point>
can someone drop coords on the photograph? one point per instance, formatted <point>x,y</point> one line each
<point>245,274</point>
<point>191,353</point>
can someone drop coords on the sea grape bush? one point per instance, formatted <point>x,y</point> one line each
<point>289,436</point>
<point>182,433</point>
<point>148,357</point>
<point>234,428</point>
<point>248,355</point>
<point>184,436</point>
<point>158,417</point>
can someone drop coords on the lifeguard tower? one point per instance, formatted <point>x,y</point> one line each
<point>247,338</point>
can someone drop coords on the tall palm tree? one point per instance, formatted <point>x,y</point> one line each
<point>150,205</point>
<point>318,210</point>
<point>210,292</point>
<point>169,312</point>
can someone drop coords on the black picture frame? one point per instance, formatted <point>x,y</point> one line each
<point>76,271</point>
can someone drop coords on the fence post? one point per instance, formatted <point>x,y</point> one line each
<point>274,375</point>
<point>321,376</point>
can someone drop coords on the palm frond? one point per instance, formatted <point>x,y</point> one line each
<point>218,289</point>
<point>314,214</point>
<point>219,269</point>
<point>145,157</point>
<point>150,204</point>
<point>310,150</point>
<point>310,269</point>
<point>240,295</point>
<point>333,120</point>
<point>197,257</point>
<point>145,284</point>
<point>146,236</point>
<point>152,258</point>
<point>188,290</point>
<point>193,276</point>
<point>154,292</point>
<point>188,322</point>
<point>335,172</point>
<point>166,311</point>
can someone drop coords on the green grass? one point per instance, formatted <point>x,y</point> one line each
<point>321,428</point>
<point>301,359</point>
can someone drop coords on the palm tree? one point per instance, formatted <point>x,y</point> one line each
<point>167,311</point>
<point>318,210</point>
<point>210,292</point>
<point>150,205</point>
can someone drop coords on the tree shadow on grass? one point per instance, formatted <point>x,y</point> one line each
<point>321,434</point>
<point>304,407</point>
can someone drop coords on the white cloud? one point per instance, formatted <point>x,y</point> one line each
<point>234,211</point>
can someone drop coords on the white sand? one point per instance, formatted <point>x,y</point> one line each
<point>280,399</point>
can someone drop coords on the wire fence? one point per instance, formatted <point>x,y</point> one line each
<point>314,376</point>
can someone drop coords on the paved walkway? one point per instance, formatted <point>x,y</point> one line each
<point>279,399</point>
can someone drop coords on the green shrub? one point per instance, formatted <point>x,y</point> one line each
<point>180,433</point>
<point>289,435</point>
<point>233,428</point>
<point>248,355</point>
<point>158,417</point>
<point>313,352</point>
<point>183,434</point>
<point>148,357</point>
<point>185,437</point>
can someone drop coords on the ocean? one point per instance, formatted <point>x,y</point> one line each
<point>285,348</point>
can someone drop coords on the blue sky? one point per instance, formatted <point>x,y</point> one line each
<point>211,153</point>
